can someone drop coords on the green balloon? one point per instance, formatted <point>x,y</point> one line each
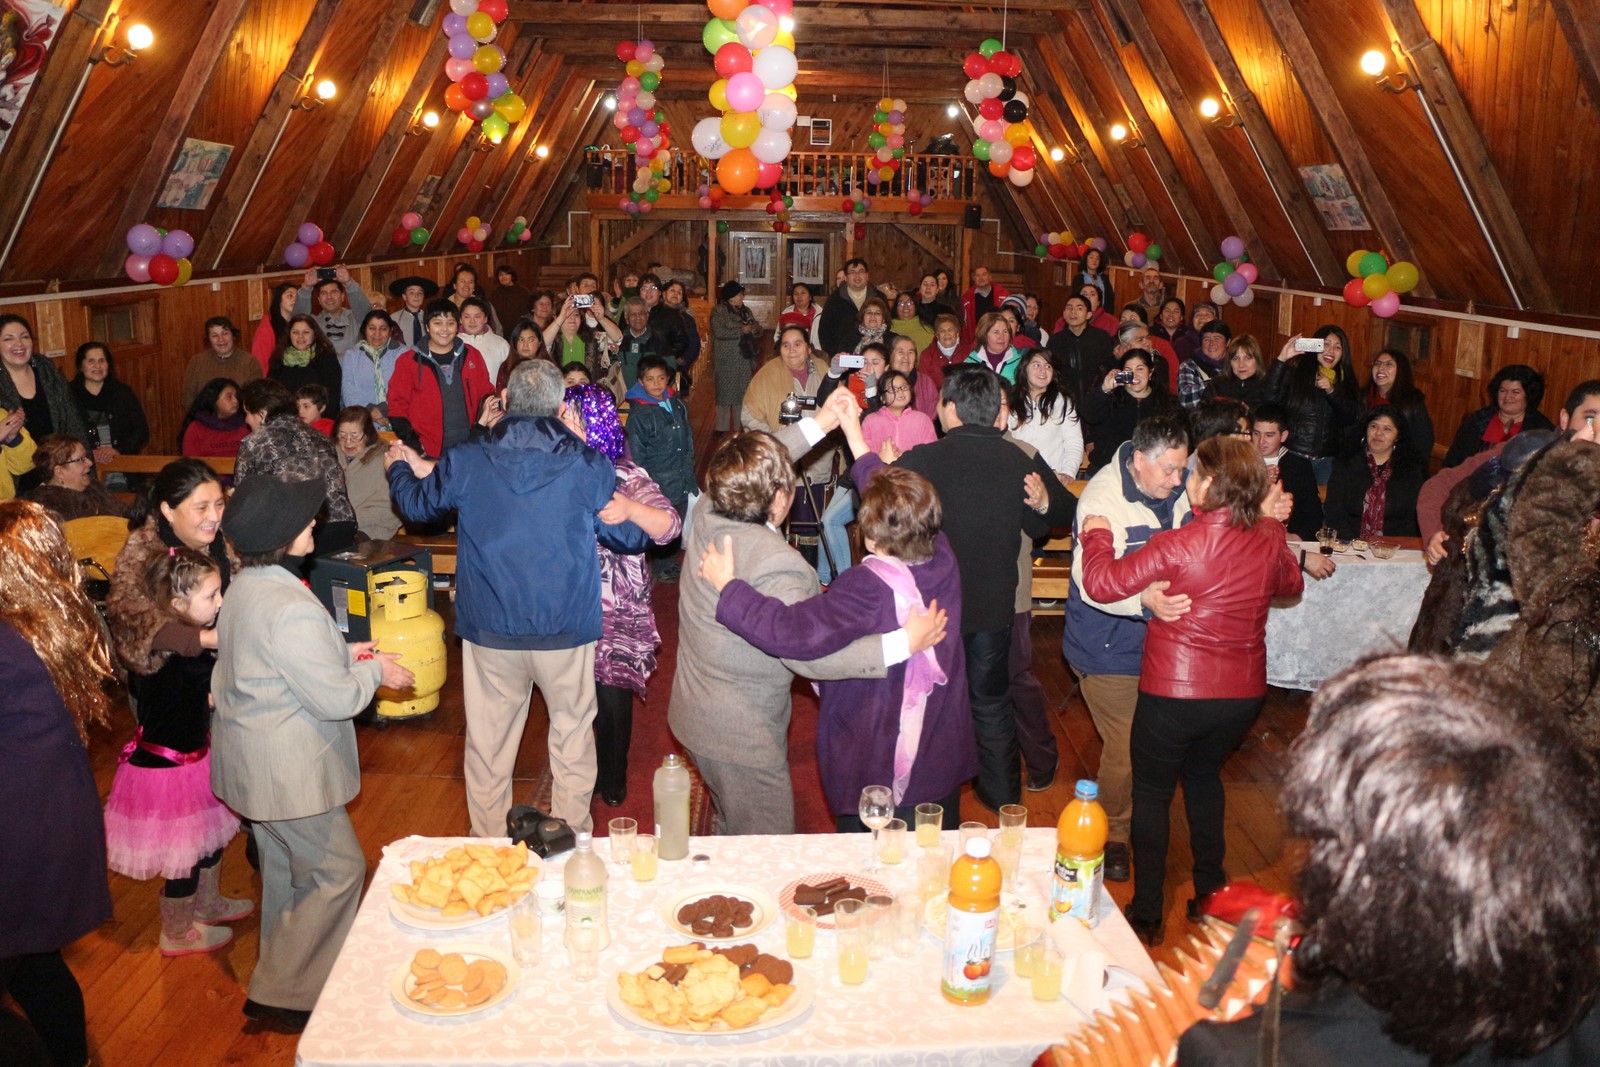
<point>649,80</point>
<point>1372,263</point>
<point>879,116</point>
<point>1153,253</point>
<point>652,194</point>
<point>788,201</point>
<point>989,47</point>
<point>860,208</point>
<point>1220,272</point>
<point>981,150</point>
<point>1041,251</point>
<point>722,227</point>
<point>876,141</point>
<point>717,33</point>
<point>899,153</point>
<point>419,236</point>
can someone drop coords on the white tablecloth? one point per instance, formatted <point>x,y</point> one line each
<point>1367,605</point>
<point>897,1017</point>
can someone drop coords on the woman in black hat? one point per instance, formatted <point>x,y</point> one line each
<point>283,750</point>
<point>735,343</point>
<point>414,293</point>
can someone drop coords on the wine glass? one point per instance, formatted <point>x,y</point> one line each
<point>877,808</point>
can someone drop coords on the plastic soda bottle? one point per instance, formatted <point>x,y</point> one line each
<point>671,794</point>
<point>971,923</point>
<point>585,882</point>
<point>1080,856</point>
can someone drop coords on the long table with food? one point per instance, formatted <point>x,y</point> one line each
<point>414,987</point>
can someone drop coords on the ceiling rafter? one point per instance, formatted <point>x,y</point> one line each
<point>1582,30</point>
<point>575,133</point>
<point>1113,213</point>
<point>559,98</point>
<point>504,159</point>
<point>842,23</point>
<point>536,90</point>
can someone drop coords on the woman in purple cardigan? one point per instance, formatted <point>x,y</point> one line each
<point>625,657</point>
<point>911,730</point>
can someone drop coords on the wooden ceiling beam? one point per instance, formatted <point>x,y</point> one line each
<point>39,128</point>
<point>575,133</point>
<point>508,155</point>
<point>1113,212</point>
<point>1156,153</point>
<point>624,19</point>
<point>251,163</point>
<point>1306,61</point>
<point>1194,132</point>
<point>561,98</point>
<point>1582,30</point>
<point>694,54</point>
<point>1475,168</point>
<point>541,79</point>
<point>151,177</point>
<point>340,116</point>
<point>427,74</point>
<point>1268,147</point>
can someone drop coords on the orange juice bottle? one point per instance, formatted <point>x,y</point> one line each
<point>1080,856</point>
<point>971,923</point>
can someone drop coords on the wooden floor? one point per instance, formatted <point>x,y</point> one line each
<point>145,1009</point>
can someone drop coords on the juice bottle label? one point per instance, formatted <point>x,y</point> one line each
<point>1076,889</point>
<point>968,954</point>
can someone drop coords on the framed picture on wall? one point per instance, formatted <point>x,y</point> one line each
<point>821,133</point>
<point>755,260</point>
<point>807,262</point>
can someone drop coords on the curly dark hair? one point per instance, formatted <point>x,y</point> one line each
<point>1452,879</point>
<point>1532,383</point>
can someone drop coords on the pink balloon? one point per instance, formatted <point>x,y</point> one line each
<point>411,220</point>
<point>1386,305</point>
<point>745,92</point>
<point>992,130</point>
<point>526,235</point>
<point>137,267</point>
<point>1249,272</point>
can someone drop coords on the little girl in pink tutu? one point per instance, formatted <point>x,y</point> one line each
<point>161,816</point>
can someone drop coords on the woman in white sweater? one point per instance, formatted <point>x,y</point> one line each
<point>1044,415</point>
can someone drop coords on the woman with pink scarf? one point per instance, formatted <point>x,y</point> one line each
<point>911,730</point>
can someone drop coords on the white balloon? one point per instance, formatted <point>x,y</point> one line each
<point>1219,295</point>
<point>757,26</point>
<point>645,101</point>
<point>776,67</point>
<point>897,104</point>
<point>1021,178</point>
<point>464,7</point>
<point>973,92</point>
<point>707,139</point>
<point>655,62</point>
<point>1246,298</point>
<point>989,85</point>
<point>1000,151</point>
<point>1127,258</point>
<point>777,112</point>
<point>770,146</point>
<point>1021,97</point>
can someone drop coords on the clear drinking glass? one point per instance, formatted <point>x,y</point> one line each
<point>1046,980</point>
<point>930,821</point>
<point>968,831</point>
<point>1013,820</point>
<point>892,842</point>
<point>527,930</point>
<point>876,809</point>
<point>1030,939</point>
<point>1009,857</point>
<point>643,862</point>
<point>879,921</point>
<point>907,923</point>
<point>623,833</point>
<point>800,932</point>
<point>933,870</point>
<point>583,950</point>
<point>850,936</point>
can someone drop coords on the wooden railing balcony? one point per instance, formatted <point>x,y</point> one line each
<point>819,181</point>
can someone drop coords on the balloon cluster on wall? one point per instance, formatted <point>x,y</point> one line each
<point>410,231</point>
<point>519,231</point>
<point>1003,141</point>
<point>915,201</point>
<point>477,85</point>
<point>1376,283</point>
<point>711,196</point>
<point>641,125</point>
<point>756,68</point>
<point>473,234</point>
<point>1057,244</point>
<point>1234,275</point>
<point>778,205</point>
<point>309,247</point>
<point>157,255</point>
<point>887,139</point>
<point>856,204</point>
<point>1141,251</point>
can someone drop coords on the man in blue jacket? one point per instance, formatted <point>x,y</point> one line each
<point>525,617</point>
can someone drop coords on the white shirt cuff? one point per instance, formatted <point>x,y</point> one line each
<point>812,431</point>
<point>896,647</point>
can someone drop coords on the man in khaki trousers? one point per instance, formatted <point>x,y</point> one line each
<point>528,497</point>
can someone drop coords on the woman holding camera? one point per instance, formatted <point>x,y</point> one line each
<point>570,339</point>
<point>1314,378</point>
<point>1128,394</point>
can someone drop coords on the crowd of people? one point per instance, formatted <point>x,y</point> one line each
<point>957,430</point>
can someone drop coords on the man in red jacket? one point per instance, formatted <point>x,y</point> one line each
<point>984,297</point>
<point>436,391</point>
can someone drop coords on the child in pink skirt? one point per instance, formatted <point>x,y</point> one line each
<point>161,816</point>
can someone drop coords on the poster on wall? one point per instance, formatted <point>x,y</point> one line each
<point>195,175</point>
<point>806,262</point>
<point>1336,201</point>
<point>27,29</point>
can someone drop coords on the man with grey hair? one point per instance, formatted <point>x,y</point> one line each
<point>522,626</point>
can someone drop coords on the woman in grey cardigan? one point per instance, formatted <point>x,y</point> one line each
<point>734,331</point>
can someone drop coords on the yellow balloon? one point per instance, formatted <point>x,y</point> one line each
<point>658,164</point>
<point>719,94</point>
<point>1018,134</point>
<point>1352,263</point>
<point>785,39</point>
<point>488,59</point>
<point>185,272</point>
<point>740,128</point>
<point>473,222</point>
<point>886,104</point>
<point>1403,276</point>
<point>886,173</point>
<point>480,26</point>
<point>511,107</point>
<point>665,185</point>
<point>634,68</point>
<point>1375,285</point>
<point>789,91</point>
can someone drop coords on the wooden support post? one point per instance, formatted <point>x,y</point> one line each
<point>711,259</point>
<point>251,163</point>
<point>1285,180</point>
<point>1194,132</point>
<point>341,113</point>
<point>1183,205</point>
<point>1306,61</point>
<point>1463,140</point>
<point>598,227</point>
<point>147,182</point>
<point>388,147</point>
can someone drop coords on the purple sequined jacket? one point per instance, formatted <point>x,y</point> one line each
<point>626,654</point>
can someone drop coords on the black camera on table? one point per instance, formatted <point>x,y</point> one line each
<point>795,407</point>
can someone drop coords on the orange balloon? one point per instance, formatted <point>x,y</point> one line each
<point>737,172</point>
<point>999,170</point>
<point>455,98</point>
<point>1017,133</point>
<point>727,9</point>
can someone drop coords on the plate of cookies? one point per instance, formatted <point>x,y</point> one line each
<point>726,989</point>
<point>467,885</point>
<point>823,891</point>
<point>454,980</point>
<point>719,913</point>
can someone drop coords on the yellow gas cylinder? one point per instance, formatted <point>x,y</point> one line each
<point>403,623</point>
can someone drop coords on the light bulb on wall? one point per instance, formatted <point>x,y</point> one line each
<point>952,111</point>
<point>139,38</point>
<point>325,91</point>
<point>1373,62</point>
<point>1209,108</point>
<point>1057,155</point>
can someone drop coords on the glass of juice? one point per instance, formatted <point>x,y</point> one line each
<point>1013,820</point>
<point>622,833</point>
<point>1030,939</point>
<point>930,820</point>
<point>851,937</point>
<point>968,831</point>
<point>1046,978</point>
<point>933,870</point>
<point>892,842</point>
<point>527,930</point>
<point>644,858</point>
<point>800,932</point>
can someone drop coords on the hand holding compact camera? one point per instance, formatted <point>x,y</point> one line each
<point>795,407</point>
<point>1122,377</point>
<point>583,300</point>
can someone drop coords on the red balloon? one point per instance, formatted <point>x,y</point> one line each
<point>772,206</point>
<point>495,9</point>
<point>474,86</point>
<point>1001,62</point>
<point>322,253</point>
<point>975,65</point>
<point>768,175</point>
<point>1058,251</point>
<point>474,245</point>
<point>626,50</point>
<point>1022,157</point>
<point>847,205</point>
<point>915,208</point>
<point>630,134</point>
<point>163,269</point>
<point>992,108</point>
<point>733,58</point>
<point>1354,295</point>
<point>861,231</point>
<point>1138,242</point>
<point>401,236</point>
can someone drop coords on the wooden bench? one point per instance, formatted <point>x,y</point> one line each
<point>1052,566</point>
<point>154,464</point>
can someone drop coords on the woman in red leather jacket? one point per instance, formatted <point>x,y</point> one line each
<point>1204,675</point>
